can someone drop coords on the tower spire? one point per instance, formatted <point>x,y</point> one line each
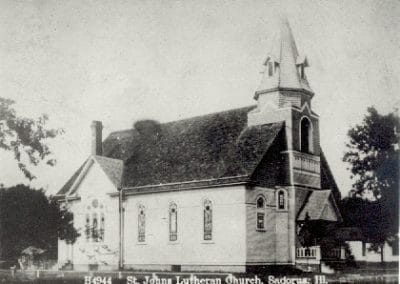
<point>284,67</point>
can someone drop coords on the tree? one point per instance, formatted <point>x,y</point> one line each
<point>29,218</point>
<point>27,138</point>
<point>373,155</point>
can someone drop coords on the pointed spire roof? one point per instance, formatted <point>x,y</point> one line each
<point>283,64</point>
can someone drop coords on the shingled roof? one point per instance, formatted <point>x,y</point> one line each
<point>213,146</point>
<point>284,54</point>
<point>318,206</point>
<point>111,167</point>
<point>67,186</point>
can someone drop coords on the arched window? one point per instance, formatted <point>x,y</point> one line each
<point>141,224</point>
<point>95,221</point>
<point>306,135</point>
<point>270,69</point>
<point>260,213</point>
<point>95,232</point>
<point>281,200</point>
<point>207,211</point>
<point>173,222</point>
<point>87,227</point>
<point>102,227</point>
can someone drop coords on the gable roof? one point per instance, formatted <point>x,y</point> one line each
<point>214,149</point>
<point>213,146</point>
<point>111,167</point>
<point>67,186</point>
<point>319,206</point>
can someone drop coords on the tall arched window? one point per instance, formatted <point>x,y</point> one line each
<point>102,226</point>
<point>95,232</point>
<point>281,200</point>
<point>95,221</point>
<point>260,213</point>
<point>87,227</point>
<point>270,69</point>
<point>207,211</point>
<point>173,222</point>
<point>141,224</point>
<point>306,135</point>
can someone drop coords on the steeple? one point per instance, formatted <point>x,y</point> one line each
<point>284,67</point>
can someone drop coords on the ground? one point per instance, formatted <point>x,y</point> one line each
<point>370,275</point>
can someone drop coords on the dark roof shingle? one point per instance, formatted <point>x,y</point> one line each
<point>209,147</point>
<point>317,203</point>
<point>213,146</point>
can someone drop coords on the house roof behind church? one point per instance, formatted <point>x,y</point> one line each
<point>214,146</point>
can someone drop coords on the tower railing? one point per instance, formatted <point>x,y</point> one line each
<point>306,162</point>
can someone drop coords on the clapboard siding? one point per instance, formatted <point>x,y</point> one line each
<point>270,245</point>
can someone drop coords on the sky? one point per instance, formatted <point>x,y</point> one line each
<point>122,61</point>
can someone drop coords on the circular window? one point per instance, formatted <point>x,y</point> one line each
<point>95,203</point>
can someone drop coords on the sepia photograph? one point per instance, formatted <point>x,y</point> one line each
<point>199,142</point>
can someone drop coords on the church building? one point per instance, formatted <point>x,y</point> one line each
<point>226,191</point>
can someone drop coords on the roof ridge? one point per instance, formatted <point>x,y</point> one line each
<point>190,118</point>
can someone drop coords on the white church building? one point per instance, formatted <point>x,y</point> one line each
<point>226,191</point>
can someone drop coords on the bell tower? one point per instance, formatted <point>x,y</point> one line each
<point>284,94</point>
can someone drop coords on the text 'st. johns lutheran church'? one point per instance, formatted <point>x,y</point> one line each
<point>226,191</point>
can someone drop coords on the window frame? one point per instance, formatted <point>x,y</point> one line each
<point>141,230</point>
<point>88,230</point>
<point>279,193</point>
<point>172,212</point>
<point>310,136</point>
<point>207,232</point>
<point>260,212</point>
<point>102,226</point>
<point>95,227</point>
<point>270,67</point>
<point>95,221</point>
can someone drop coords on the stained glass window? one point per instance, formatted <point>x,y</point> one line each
<point>260,213</point>
<point>173,222</point>
<point>141,224</point>
<point>87,227</point>
<point>207,220</point>
<point>95,232</point>
<point>102,227</point>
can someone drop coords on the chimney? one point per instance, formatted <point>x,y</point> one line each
<point>97,146</point>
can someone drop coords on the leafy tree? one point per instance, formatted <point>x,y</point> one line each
<point>29,218</point>
<point>27,138</point>
<point>373,155</point>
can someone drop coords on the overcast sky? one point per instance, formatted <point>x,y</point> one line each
<point>120,61</point>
